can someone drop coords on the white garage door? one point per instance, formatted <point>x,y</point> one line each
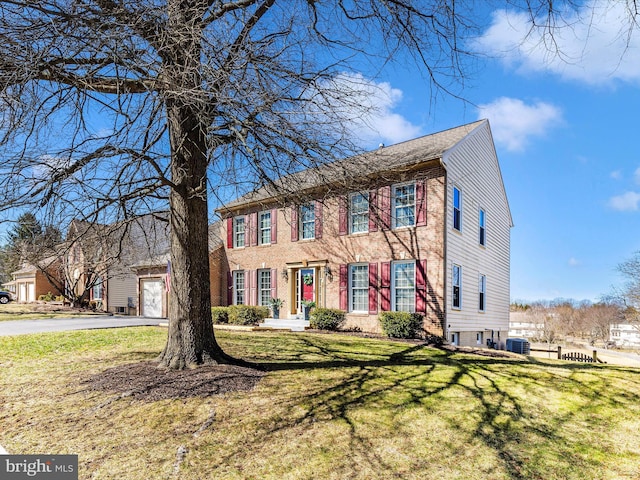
<point>152,291</point>
<point>32,292</point>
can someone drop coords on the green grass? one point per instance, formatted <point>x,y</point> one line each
<point>330,407</point>
<point>31,311</point>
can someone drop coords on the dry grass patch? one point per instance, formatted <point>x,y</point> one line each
<point>328,406</point>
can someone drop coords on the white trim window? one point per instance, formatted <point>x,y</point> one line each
<point>239,228</point>
<point>308,221</point>
<point>456,287</point>
<point>97,289</point>
<point>482,230</point>
<point>264,287</point>
<point>359,212</point>
<point>479,338</point>
<point>403,286</point>
<point>482,293</point>
<point>264,226</point>
<point>457,209</point>
<point>404,205</point>
<point>239,287</point>
<point>359,288</point>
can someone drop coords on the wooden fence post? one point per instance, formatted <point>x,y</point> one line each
<point>559,352</point>
<point>595,356</point>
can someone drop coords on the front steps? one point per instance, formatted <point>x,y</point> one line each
<point>291,324</point>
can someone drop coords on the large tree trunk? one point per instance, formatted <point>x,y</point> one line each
<point>190,340</point>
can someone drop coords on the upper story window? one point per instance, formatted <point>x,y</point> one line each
<point>403,286</point>
<point>359,288</point>
<point>264,228</point>
<point>238,287</point>
<point>359,213</point>
<point>457,209</point>
<point>307,222</point>
<point>403,205</point>
<point>239,224</point>
<point>456,282</point>
<point>482,292</point>
<point>482,228</point>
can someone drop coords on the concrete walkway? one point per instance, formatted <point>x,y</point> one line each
<point>22,327</point>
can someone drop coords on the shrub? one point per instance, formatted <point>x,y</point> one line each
<point>247,314</point>
<point>326,318</point>
<point>219,315</point>
<point>401,324</point>
<point>46,298</point>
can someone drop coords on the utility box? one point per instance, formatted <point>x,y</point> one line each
<point>518,345</point>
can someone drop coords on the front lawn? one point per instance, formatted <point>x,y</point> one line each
<point>328,407</point>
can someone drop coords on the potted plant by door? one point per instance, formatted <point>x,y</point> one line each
<point>276,305</point>
<point>307,305</point>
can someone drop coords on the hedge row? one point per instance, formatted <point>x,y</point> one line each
<point>239,314</point>
<point>394,324</point>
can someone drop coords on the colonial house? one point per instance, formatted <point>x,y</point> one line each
<point>29,282</point>
<point>422,226</point>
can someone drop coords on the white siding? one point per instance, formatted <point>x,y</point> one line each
<point>119,289</point>
<point>473,167</point>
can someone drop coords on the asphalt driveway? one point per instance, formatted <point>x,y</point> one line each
<point>21,327</point>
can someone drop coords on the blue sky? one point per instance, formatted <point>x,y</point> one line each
<point>567,135</point>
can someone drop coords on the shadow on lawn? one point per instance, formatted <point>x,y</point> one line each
<point>416,375</point>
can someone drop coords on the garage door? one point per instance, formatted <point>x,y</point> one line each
<point>152,293</point>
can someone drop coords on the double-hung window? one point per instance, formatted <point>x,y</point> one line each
<point>359,212</point>
<point>264,228</point>
<point>264,287</point>
<point>457,209</point>
<point>239,232</point>
<point>98,288</point>
<point>404,205</point>
<point>456,282</point>
<point>482,228</point>
<point>238,287</point>
<point>482,292</point>
<point>359,288</point>
<point>403,279</point>
<point>307,221</point>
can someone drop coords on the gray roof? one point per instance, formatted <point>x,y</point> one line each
<point>347,172</point>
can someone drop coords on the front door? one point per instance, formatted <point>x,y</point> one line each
<point>306,286</point>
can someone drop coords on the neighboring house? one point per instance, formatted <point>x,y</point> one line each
<point>421,226</point>
<point>29,283</point>
<point>625,335</point>
<point>99,259</point>
<point>525,324</point>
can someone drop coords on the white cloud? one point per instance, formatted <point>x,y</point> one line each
<point>366,109</point>
<point>636,175</point>
<point>513,122</point>
<point>594,44</point>
<point>574,262</point>
<point>627,202</point>
<point>616,174</point>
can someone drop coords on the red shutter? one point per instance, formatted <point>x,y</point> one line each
<point>230,232</point>
<point>253,229</point>
<point>294,223</point>
<point>342,216</point>
<point>229,288</point>
<point>385,286</point>
<point>344,287</point>
<point>274,283</point>
<point>421,203</point>
<point>274,225</point>
<point>253,288</point>
<point>384,204</point>
<point>421,286</point>
<point>318,220</point>
<point>373,288</point>
<point>373,211</point>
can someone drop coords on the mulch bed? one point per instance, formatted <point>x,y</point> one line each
<point>145,381</point>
